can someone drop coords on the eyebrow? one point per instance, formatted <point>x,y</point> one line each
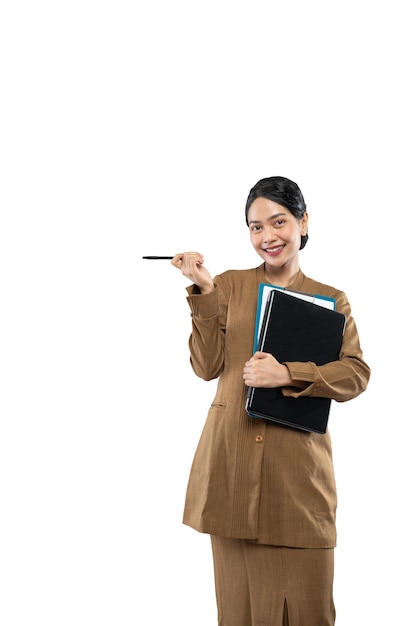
<point>269,218</point>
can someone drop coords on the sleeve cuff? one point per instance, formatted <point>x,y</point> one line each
<point>202,305</point>
<point>304,377</point>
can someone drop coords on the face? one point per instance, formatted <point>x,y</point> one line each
<point>275,233</point>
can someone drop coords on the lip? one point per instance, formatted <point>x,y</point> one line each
<point>275,251</point>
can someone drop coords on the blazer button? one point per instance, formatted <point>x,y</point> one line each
<point>259,438</point>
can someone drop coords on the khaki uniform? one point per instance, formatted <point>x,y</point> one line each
<point>251,479</point>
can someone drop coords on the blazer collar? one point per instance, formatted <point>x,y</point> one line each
<point>296,285</point>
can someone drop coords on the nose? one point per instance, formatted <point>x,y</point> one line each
<point>269,234</point>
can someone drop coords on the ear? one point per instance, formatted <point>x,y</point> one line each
<point>304,224</point>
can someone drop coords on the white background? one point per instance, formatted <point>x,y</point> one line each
<point>133,128</point>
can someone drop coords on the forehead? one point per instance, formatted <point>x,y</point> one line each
<point>263,209</point>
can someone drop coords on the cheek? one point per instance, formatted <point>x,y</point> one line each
<point>253,238</point>
<point>296,234</point>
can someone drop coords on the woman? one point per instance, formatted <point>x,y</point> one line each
<point>265,493</point>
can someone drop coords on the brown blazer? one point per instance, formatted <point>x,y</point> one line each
<point>250,478</point>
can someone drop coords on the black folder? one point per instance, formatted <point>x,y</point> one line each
<point>296,330</point>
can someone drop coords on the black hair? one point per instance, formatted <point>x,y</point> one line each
<point>283,191</point>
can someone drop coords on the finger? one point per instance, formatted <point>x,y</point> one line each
<point>177,260</point>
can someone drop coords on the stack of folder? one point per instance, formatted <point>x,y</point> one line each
<point>293,326</point>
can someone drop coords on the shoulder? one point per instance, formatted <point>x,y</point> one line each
<point>322,289</point>
<point>237,284</point>
<point>231,277</point>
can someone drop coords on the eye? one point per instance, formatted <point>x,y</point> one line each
<point>255,228</point>
<point>279,222</point>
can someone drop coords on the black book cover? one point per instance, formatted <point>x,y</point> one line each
<point>296,330</point>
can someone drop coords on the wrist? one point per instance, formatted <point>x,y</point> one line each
<point>205,290</point>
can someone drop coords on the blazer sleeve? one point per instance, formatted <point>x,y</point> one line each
<point>340,380</point>
<point>206,342</point>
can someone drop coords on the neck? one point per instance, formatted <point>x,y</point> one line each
<point>281,276</point>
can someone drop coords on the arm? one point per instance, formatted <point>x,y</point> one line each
<point>206,342</point>
<point>340,380</point>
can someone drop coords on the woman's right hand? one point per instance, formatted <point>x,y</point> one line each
<point>191,266</point>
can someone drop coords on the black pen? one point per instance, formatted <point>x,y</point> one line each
<point>157,257</point>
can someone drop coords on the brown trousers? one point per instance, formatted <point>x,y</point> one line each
<point>262,585</point>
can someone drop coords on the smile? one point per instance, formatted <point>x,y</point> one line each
<point>274,250</point>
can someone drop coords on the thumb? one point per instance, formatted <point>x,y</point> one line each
<point>260,355</point>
